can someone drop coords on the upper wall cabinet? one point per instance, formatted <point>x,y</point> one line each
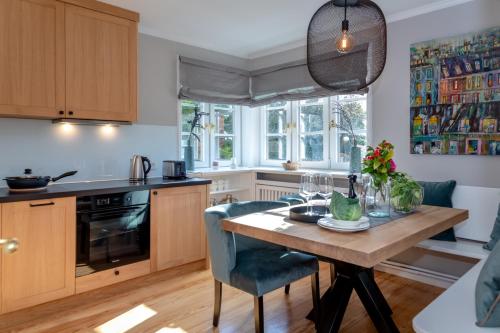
<point>31,58</point>
<point>101,65</point>
<point>67,59</point>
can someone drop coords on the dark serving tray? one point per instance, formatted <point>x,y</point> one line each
<point>316,213</point>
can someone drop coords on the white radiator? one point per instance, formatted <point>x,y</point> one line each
<point>272,192</point>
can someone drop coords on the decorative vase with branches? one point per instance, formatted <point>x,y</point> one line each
<point>347,114</point>
<point>195,124</point>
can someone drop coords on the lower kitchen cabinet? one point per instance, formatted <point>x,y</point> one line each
<point>177,226</point>
<point>112,276</point>
<point>43,268</point>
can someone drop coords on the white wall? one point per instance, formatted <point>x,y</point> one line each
<point>391,94</point>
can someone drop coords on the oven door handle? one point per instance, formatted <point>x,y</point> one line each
<point>112,210</point>
<point>116,212</point>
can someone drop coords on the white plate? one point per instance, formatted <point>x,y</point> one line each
<point>345,226</point>
<point>343,223</point>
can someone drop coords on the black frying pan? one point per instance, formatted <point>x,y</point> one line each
<point>30,182</point>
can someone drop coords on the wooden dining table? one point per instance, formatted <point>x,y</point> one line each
<point>354,255</point>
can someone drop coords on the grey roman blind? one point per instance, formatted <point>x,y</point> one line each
<point>213,83</point>
<point>290,81</point>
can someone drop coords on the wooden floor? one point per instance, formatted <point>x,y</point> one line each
<point>177,302</point>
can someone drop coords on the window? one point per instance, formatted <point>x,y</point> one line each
<point>276,122</point>
<point>224,120</point>
<point>300,131</point>
<point>219,136</point>
<point>313,134</point>
<point>356,105</point>
<point>201,145</point>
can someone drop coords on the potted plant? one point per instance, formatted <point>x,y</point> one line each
<point>378,163</point>
<point>349,114</point>
<point>189,150</point>
<point>406,193</point>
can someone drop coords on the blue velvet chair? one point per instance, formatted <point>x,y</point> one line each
<point>252,265</point>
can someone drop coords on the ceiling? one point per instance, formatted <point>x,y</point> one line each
<point>248,29</point>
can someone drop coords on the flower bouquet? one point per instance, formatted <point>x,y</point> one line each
<point>378,163</point>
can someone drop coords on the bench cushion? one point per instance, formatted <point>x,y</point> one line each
<point>439,194</point>
<point>454,310</point>
<point>495,233</point>
<point>488,291</point>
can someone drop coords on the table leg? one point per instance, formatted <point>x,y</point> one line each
<point>334,302</point>
<point>377,309</point>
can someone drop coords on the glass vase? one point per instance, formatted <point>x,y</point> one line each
<point>189,158</point>
<point>378,199</point>
<point>408,200</point>
<point>355,160</point>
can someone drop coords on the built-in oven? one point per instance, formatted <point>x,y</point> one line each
<point>112,230</point>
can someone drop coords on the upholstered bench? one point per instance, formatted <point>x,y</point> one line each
<point>454,311</point>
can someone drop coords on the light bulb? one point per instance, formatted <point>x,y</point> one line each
<point>345,42</point>
<point>67,127</point>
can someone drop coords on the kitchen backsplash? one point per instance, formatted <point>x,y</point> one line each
<point>97,152</point>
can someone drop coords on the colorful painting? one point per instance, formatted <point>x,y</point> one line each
<point>455,95</point>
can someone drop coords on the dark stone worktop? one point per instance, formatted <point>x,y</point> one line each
<point>97,187</point>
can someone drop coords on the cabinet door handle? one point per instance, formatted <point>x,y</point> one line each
<point>42,204</point>
<point>117,272</point>
<point>155,193</point>
<point>70,113</point>
<point>9,245</point>
<point>61,112</point>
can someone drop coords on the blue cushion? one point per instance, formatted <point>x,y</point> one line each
<point>260,271</point>
<point>488,291</point>
<point>439,194</point>
<point>495,233</point>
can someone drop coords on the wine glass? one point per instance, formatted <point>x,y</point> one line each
<point>326,186</point>
<point>307,188</point>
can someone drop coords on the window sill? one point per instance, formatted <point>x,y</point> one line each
<point>267,169</point>
<point>300,171</point>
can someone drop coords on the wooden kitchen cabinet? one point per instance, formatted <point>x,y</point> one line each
<point>68,59</point>
<point>32,65</point>
<point>43,268</point>
<point>177,226</point>
<point>101,65</point>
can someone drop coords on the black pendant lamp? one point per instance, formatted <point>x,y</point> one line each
<point>347,45</point>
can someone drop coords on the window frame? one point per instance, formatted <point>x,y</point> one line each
<point>289,129</point>
<point>208,136</point>
<point>236,109</point>
<point>325,162</point>
<point>335,163</point>
<point>205,162</point>
<point>331,146</point>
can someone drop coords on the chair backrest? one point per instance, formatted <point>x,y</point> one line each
<point>224,245</point>
<point>293,199</point>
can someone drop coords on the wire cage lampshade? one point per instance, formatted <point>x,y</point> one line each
<point>347,45</point>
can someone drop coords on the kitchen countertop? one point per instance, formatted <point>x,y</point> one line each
<point>97,187</point>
